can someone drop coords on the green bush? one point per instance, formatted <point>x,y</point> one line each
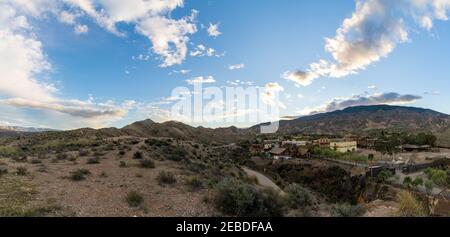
<point>134,199</point>
<point>243,200</point>
<point>439,177</point>
<point>147,164</point>
<point>166,178</point>
<point>347,210</point>
<point>298,197</point>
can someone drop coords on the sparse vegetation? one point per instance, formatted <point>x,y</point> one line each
<point>134,199</point>
<point>194,183</point>
<point>147,164</point>
<point>93,161</point>
<point>138,155</point>
<point>22,171</point>
<point>3,171</point>
<point>348,210</point>
<point>166,178</point>
<point>298,197</point>
<point>122,164</point>
<point>409,206</point>
<point>83,153</point>
<point>239,199</point>
<point>79,175</point>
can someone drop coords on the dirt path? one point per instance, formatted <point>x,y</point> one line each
<point>263,180</point>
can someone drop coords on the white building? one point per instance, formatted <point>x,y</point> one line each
<point>344,146</point>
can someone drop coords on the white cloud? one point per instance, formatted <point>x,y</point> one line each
<point>236,66</point>
<point>372,87</point>
<point>213,30</point>
<point>201,51</point>
<point>201,80</point>
<point>271,95</point>
<point>81,29</point>
<point>168,37</point>
<point>370,34</point>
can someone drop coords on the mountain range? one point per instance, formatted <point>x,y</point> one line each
<point>354,120</point>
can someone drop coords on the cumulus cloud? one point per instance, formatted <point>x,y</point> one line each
<point>236,66</point>
<point>362,100</point>
<point>201,80</point>
<point>370,34</point>
<point>213,30</point>
<point>169,37</point>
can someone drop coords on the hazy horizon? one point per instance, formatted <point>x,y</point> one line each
<point>73,64</point>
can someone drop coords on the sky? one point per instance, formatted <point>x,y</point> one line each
<point>68,64</point>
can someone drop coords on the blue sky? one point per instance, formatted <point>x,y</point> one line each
<point>86,74</point>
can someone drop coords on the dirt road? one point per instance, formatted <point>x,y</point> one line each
<point>263,180</point>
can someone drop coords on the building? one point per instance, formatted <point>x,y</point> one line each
<point>414,148</point>
<point>269,144</point>
<point>293,143</point>
<point>344,146</point>
<point>279,153</point>
<point>322,142</point>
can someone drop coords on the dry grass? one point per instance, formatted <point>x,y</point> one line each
<point>409,206</point>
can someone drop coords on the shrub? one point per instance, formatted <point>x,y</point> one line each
<point>194,183</point>
<point>166,178</point>
<point>92,161</point>
<point>147,164</point>
<point>83,153</point>
<point>79,174</point>
<point>104,175</point>
<point>61,156</point>
<point>298,197</point>
<point>439,177</point>
<point>177,154</point>
<point>429,186</point>
<point>134,199</point>
<point>138,155</point>
<point>3,170</point>
<point>122,164</point>
<point>418,181</point>
<point>35,161</point>
<point>407,182</point>
<point>347,210</point>
<point>409,206</point>
<point>239,199</point>
<point>22,171</point>
<point>121,153</point>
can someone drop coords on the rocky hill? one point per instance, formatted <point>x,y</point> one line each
<point>362,119</point>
